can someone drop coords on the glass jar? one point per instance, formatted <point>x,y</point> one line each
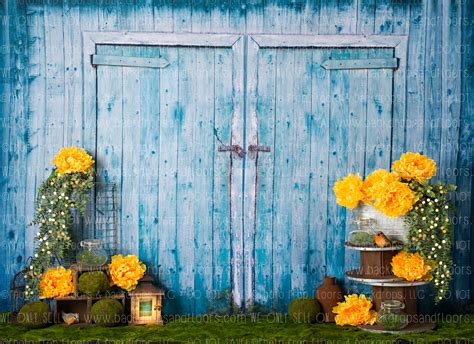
<point>391,315</point>
<point>91,254</point>
<point>364,233</point>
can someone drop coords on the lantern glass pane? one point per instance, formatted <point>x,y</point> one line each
<point>146,307</point>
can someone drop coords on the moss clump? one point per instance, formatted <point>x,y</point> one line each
<point>361,239</point>
<point>304,310</point>
<point>93,283</point>
<point>34,315</point>
<point>107,312</point>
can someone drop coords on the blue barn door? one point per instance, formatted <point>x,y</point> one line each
<point>167,118</point>
<point>314,115</point>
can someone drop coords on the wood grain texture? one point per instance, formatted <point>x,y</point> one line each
<point>46,86</point>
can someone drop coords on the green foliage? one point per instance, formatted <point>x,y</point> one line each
<point>107,312</point>
<point>57,196</point>
<point>34,315</point>
<point>431,231</point>
<point>93,283</point>
<point>361,239</point>
<point>304,310</point>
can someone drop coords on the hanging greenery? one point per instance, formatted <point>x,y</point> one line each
<point>431,231</point>
<point>66,188</point>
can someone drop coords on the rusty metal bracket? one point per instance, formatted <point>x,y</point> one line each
<point>233,148</point>
<point>259,148</point>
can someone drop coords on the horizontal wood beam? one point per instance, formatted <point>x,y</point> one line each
<point>389,63</point>
<point>129,61</point>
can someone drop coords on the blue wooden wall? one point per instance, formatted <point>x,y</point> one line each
<point>42,104</point>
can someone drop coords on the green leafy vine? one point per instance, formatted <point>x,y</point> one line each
<point>56,198</point>
<point>431,231</point>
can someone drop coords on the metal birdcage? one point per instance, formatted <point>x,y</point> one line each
<point>17,289</point>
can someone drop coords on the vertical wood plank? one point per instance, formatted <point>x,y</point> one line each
<point>254,16</point>
<point>310,17</point>
<point>300,176</point>
<point>223,109</point>
<point>366,16</point>
<point>284,123</point>
<point>163,19</point>
<point>319,167</point>
<point>432,81</point>
<point>204,177</point>
<point>201,16</point>
<point>415,78</point>
<point>220,17</point>
<point>148,205</point>
<point>384,17</point>
<point>36,112</point>
<point>185,117</point>
<point>130,159</point>
<point>236,180</point>
<point>379,114</point>
<point>250,172</point>
<point>169,109</point>
<point>237,10</point>
<point>346,16</point>
<point>265,112</point>
<point>182,16</point>
<point>339,111</point>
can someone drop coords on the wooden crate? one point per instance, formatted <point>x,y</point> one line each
<point>81,305</point>
<point>376,263</point>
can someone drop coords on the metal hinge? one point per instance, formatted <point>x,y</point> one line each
<point>233,148</point>
<point>259,148</point>
<point>129,61</point>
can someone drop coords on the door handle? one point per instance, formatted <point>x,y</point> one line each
<point>233,148</point>
<point>259,148</point>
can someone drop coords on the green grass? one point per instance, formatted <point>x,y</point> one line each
<point>233,330</point>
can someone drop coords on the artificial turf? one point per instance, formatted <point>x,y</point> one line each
<point>237,329</point>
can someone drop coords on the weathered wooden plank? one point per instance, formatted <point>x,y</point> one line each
<point>432,81</point>
<point>327,12</point>
<point>201,15</point>
<point>339,112</point>
<point>356,138</point>
<point>265,112</point>
<point>346,16</point>
<point>223,109</point>
<point>236,180</point>
<point>282,207</point>
<point>366,17</point>
<point>401,17</point>
<point>129,61</point>
<point>310,17</point>
<point>162,16</point>
<point>36,114</point>
<point>415,79</point>
<point>168,141</point>
<point>388,63</point>
<point>144,15</point>
<point>220,17</point>
<point>130,159</point>
<point>289,16</point>
<point>384,17</point>
<point>254,16</point>
<point>319,167</point>
<point>165,39</point>
<point>186,232</point>
<point>450,129</point>
<point>300,176</point>
<point>250,176</point>
<point>350,41</point>
<point>237,15</point>
<point>148,205</point>
<point>182,16</point>
<point>379,114</point>
<point>204,152</point>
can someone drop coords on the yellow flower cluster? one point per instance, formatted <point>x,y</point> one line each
<point>411,266</point>
<point>56,282</point>
<point>349,191</point>
<point>394,199</point>
<point>355,311</point>
<point>415,166</point>
<point>72,160</point>
<point>376,182</point>
<point>126,271</point>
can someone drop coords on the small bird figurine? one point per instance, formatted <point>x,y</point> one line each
<point>70,318</point>
<point>381,240</point>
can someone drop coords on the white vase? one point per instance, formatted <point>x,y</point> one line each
<point>393,227</point>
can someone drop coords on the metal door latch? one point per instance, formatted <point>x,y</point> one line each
<point>259,148</point>
<point>233,148</point>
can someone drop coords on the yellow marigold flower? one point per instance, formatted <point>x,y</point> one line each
<point>415,166</point>
<point>376,180</point>
<point>348,191</point>
<point>394,199</point>
<point>56,282</point>
<point>72,160</point>
<point>355,311</point>
<point>126,271</point>
<point>411,266</point>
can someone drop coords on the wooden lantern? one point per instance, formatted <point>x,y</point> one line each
<point>146,303</point>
